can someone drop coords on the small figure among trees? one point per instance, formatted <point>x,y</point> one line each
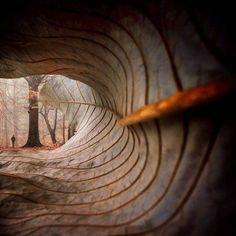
<point>13,139</point>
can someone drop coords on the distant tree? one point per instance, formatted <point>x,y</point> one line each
<point>33,134</point>
<point>15,114</point>
<point>4,114</point>
<point>72,129</point>
<point>64,129</point>
<point>44,111</point>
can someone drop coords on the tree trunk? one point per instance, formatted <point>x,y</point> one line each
<point>53,137</point>
<point>52,131</point>
<point>71,131</point>
<point>6,131</point>
<point>63,129</point>
<point>6,117</point>
<point>15,113</point>
<point>33,135</point>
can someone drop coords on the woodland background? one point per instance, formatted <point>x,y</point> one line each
<point>15,109</point>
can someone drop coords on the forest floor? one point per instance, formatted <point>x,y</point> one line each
<point>28,148</point>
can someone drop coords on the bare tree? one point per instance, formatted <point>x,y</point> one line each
<point>15,118</point>
<point>5,114</point>
<point>72,129</point>
<point>64,128</point>
<point>44,111</point>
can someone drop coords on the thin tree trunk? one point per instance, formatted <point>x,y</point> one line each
<point>6,131</point>
<point>71,130</point>
<point>52,131</point>
<point>15,118</point>
<point>63,129</point>
<point>54,140</point>
<point>5,116</point>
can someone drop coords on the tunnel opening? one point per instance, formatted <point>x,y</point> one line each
<point>170,176</point>
<point>25,120</point>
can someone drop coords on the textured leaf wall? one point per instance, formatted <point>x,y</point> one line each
<point>173,176</point>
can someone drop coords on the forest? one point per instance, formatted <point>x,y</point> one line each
<point>27,121</point>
